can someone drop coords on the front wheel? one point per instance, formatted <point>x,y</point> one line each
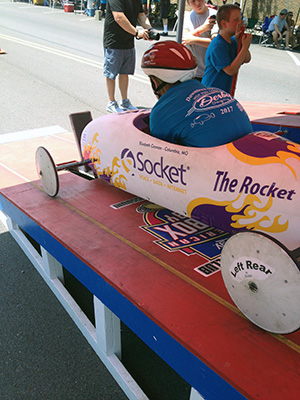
<point>263,279</point>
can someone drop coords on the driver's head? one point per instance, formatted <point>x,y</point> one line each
<point>167,63</point>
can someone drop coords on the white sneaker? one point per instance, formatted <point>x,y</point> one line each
<point>113,107</point>
<point>126,105</point>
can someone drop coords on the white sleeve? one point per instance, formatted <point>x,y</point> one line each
<point>187,23</point>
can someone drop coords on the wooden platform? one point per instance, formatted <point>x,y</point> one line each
<point>154,272</point>
<point>275,117</point>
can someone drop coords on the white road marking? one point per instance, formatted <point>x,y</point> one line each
<point>69,56</point>
<point>65,139</point>
<point>53,12</point>
<point>31,134</point>
<point>294,58</point>
<point>14,172</point>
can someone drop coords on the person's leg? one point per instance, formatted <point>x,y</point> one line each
<point>123,85</point>
<point>110,71</point>
<point>165,25</point>
<point>287,38</point>
<point>110,85</point>
<point>127,68</point>
<point>275,38</point>
<point>164,13</point>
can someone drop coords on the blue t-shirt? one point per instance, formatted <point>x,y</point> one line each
<point>219,55</point>
<point>193,115</point>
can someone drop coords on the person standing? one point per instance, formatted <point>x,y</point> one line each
<point>199,29</point>
<point>164,14</point>
<point>103,8</point>
<point>119,53</point>
<point>222,60</point>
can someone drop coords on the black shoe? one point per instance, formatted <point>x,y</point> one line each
<point>164,34</point>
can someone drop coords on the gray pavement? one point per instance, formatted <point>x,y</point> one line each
<point>43,355</point>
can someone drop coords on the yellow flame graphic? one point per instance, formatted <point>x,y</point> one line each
<point>116,177</point>
<point>252,217</point>
<point>280,157</point>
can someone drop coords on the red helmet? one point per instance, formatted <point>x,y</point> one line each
<point>170,61</point>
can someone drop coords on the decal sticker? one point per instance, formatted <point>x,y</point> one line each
<point>176,232</point>
<point>245,268</point>
<point>209,268</point>
<point>126,203</point>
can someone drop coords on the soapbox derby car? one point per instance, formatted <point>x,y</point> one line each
<point>249,187</point>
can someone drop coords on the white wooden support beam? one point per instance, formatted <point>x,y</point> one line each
<point>51,266</point>
<point>108,329</point>
<point>108,334</point>
<point>195,395</point>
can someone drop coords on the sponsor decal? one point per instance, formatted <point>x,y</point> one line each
<point>159,169</point>
<point>126,203</point>
<point>209,268</point>
<point>176,232</point>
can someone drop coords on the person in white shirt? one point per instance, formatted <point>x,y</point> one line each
<point>198,31</point>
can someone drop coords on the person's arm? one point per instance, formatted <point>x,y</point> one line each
<point>242,57</point>
<point>125,24</point>
<point>276,28</point>
<point>292,27</point>
<point>194,36</point>
<point>189,39</point>
<point>145,23</point>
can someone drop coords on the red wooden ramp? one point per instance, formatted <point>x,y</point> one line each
<point>156,271</point>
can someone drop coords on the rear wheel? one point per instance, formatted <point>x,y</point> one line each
<point>263,279</point>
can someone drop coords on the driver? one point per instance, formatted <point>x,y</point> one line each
<point>187,112</point>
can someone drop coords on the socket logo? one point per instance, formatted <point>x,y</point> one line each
<point>159,169</point>
<point>128,159</point>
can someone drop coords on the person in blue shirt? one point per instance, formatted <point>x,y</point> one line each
<point>187,112</point>
<point>222,59</point>
<point>277,26</point>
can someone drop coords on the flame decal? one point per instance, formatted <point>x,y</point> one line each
<point>113,173</point>
<point>280,157</point>
<point>247,216</point>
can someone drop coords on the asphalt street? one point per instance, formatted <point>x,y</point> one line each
<point>54,64</point>
<point>53,67</point>
<point>43,355</point>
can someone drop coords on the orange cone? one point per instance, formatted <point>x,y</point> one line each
<point>2,51</point>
